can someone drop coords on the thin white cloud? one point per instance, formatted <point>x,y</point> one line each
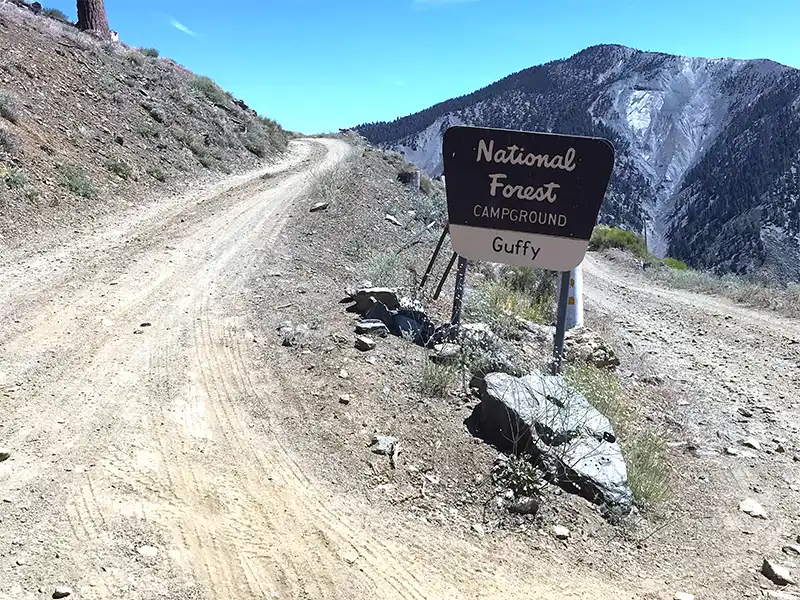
<point>181,27</point>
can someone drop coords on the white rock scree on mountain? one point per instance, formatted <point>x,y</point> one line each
<point>707,157</point>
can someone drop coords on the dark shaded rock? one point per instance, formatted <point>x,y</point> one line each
<point>364,343</point>
<point>573,441</point>
<point>414,325</point>
<point>380,313</point>
<point>319,206</point>
<point>524,506</point>
<point>366,297</point>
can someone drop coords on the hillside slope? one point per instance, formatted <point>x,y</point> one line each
<point>708,149</point>
<point>87,126</point>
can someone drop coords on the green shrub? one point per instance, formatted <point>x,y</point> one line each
<point>135,58</point>
<point>425,184</point>
<point>384,269</point>
<point>604,238</point>
<point>255,142</point>
<point>120,168</point>
<point>644,449</point>
<point>9,106</point>
<point>8,143</point>
<point>150,52</point>
<point>15,179</point>
<point>156,112</point>
<point>436,380</point>
<point>56,14</point>
<point>157,173</point>
<point>674,263</point>
<point>211,90</point>
<point>77,181</point>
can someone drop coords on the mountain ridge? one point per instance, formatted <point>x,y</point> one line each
<point>693,164</point>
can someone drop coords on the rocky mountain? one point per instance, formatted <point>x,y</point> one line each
<point>708,150</point>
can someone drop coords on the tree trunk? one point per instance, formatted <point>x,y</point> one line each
<point>92,17</point>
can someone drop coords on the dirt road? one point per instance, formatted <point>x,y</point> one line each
<point>145,462</point>
<point>729,373</point>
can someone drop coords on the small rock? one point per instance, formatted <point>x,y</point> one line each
<point>779,595</point>
<point>383,444</point>
<point>791,549</point>
<point>5,454</point>
<point>372,327</point>
<point>776,573</point>
<point>393,220</point>
<point>561,533</point>
<point>319,206</point>
<point>62,591</point>
<point>345,398</point>
<point>478,528</point>
<point>731,451</point>
<point>343,374</point>
<point>752,508</point>
<point>365,343</point>
<point>683,596</point>
<point>137,331</point>
<point>751,443</point>
<point>745,412</point>
<point>146,325</point>
<point>524,506</point>
<point>443,353</point>
<point>780,449</point>
<point>21,561</point>
<point>147,551</point>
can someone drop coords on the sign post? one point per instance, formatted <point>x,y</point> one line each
<point>527,199</point>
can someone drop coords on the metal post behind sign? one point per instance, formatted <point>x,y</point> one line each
<point>458,297</point>
<point>561,324</point>
<point>445,275</point>
<point>434,257</point>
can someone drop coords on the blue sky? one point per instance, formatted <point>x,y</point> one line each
<point>317,65</point>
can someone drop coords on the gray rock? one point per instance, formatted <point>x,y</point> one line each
<point>780,595</point>
<point>683,596</point>
<point>477,333</point>
<point>752,508</point>
<point>541,333</point>
<point>62,591</point>
<point>777,574</point>
<point>147,551</point>
<point>5,454</point>
<point>587,346</point>
<point>745,412</point>
<point>791,549</point>
<point>445,353</point>
<point>319,206</point>
<point>365,298</point>
<point>393,220</point>
<point>365,343</point>
<point>383,444</point>
<point>751,443</point>
<point>375,327</point>
<point>345,398</point>
<point>561,533</point>
<point>524,506</point>
<point>577,442</point>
